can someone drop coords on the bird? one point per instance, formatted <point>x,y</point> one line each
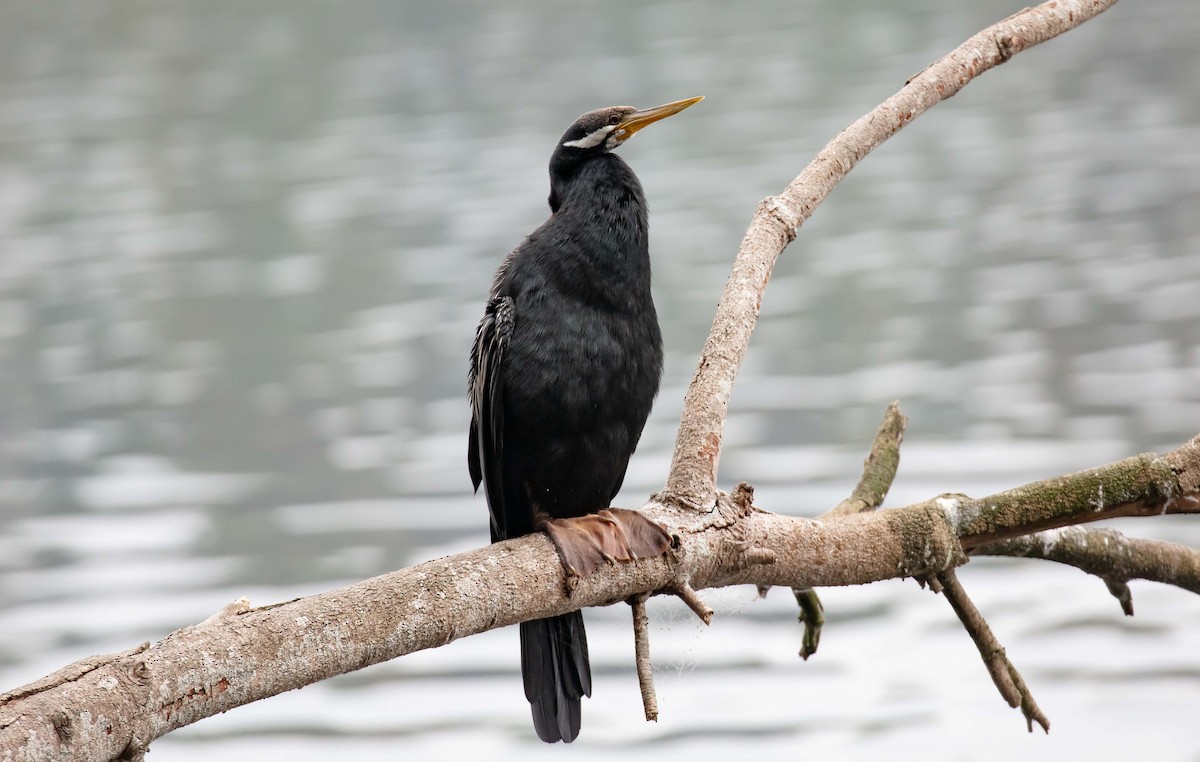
<point>564,369</point>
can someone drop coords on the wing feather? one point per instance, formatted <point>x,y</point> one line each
<point>485,457</point>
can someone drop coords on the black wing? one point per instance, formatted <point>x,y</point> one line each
<point>485,455</point>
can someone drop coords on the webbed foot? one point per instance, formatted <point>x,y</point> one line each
<point>588,542</point>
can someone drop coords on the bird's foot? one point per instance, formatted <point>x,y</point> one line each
<point>588,542</point>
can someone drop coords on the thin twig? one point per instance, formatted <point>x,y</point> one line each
<point>812,616</point>
<point>879,469</point>
<point>693,600</point>
<point>641,651</point>
<point>1006,677</point>
<point>1109,555</point>
<point>1120,590</point>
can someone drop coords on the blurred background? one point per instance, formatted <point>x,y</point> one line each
<point>243,248</point>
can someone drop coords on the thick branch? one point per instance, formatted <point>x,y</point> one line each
<point>692,479</point>
<point>242,655</point>
<point>239,658</point>
<point>1144,485</point>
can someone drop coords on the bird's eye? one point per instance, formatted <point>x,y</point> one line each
<point>615,119</point>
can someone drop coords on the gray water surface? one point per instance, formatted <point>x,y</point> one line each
<point>243,248</point>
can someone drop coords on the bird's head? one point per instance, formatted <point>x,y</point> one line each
<point>604,129</point>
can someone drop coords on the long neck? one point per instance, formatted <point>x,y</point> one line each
<point>600,202</point>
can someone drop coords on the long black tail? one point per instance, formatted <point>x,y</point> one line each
<point>554,663</point>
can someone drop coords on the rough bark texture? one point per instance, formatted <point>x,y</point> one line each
<point>107,707</point>
<point>1108,554</point>
<point>879,469</point>
<point>1144,485</point>
<point>693,475</point>
<point>1005,676</point>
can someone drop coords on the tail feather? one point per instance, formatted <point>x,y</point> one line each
<point>557,674</point>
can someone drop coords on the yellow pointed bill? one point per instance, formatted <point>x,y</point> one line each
<point>642,117</point>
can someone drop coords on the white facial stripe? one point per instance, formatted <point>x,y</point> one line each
<point>592,139</point>
<point>615,139</point>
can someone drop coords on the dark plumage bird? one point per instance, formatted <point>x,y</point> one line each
<point>564,369</point>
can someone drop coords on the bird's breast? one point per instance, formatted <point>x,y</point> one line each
<point>575,364</point>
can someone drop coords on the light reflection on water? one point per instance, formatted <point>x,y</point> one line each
<point>242,252</point>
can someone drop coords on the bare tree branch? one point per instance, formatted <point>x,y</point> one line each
<point>67,674</point>
<point>879,469</point>
<point>242,655</point>
<point>641,656</point>
<point>693,600</point>
<point>1109,555</point>
<point>1144,485</point>
<point>812,618</point>
<point>1006,677</point>
<point>1115,566</point>
<point>692,480</point>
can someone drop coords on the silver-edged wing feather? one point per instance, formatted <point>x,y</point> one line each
<point>485,456</point>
